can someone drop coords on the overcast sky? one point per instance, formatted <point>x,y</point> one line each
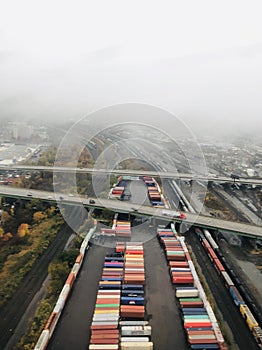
<point>201,60</point>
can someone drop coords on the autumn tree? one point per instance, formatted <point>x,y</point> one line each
<point>23,230</point>
<point>39,216</point>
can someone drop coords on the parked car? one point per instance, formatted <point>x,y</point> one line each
<point>91,201</point>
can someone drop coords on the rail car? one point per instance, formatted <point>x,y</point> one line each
<point>237,291</point>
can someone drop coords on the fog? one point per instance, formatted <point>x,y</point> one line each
<point>199,60</point>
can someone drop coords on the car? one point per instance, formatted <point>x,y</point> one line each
<point>134,209</point>
<point>71,195</point>
<point>182,216</point>
<point>49,197</point>
<point>235,176</point>
<point>91,201</point>
<point>61,198</point>
<point>29,194</point>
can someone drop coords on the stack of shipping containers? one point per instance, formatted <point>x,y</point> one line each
<point>104,327</point>
<point>135,331</point>
<point>198,319</point>
<point>154,192</point>
<point>123,229</point>
<point>120,228</point>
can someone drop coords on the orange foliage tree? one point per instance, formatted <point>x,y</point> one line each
<point>23,230</point>
<point>39,216</point>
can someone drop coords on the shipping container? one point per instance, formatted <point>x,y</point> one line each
<point>136,330</point>
<point>227,279</point>
<point>132,286</point>
<point>134,339</point>
<point>133,323</point>
<point>42,340</point>
<point>70,279</point>
<point>136,346</point>
<point>236,295</point>
<point>218,266</point>
<point>204,347</point>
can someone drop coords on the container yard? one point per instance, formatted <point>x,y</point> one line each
<point>142,296</point>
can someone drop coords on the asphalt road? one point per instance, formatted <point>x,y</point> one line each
<point>12,312</point>
<point>241,334</point>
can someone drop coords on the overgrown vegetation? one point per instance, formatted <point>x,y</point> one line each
<point>58,270</point>
<point>20,253</point>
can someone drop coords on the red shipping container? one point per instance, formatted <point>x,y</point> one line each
<point>70,279</point>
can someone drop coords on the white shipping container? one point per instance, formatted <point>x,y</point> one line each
<point>136,346</point>
<point>84,246</point>
<point>103,347</point>
<point>193,270</point>
<point>113,291</point>
<point>64,292</point>
<point>59,305</point>
<point>42,340</point>
<point>134,339</point>
<point>135,330</point>
<point>226,277</point>
<point>187,293</point>
<point>115,323</point>
<point>210,313</point>
<point>133,323</point>
<point>182,241</point>
<point>75,269</point>
<point>201,336</point>
<point>108,296</point>
<point>105,317</point>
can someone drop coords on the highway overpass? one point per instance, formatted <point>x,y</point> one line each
<point>162,174</point>
<point>142,210</point>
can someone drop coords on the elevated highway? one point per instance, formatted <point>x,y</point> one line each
<point>142,210</point>
<point>162,174</point>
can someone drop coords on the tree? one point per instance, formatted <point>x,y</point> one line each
<point>5,216</point>
<point>39,216</point>
<point>23,230</point>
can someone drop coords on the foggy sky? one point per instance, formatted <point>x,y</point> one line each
<point>200,60</point>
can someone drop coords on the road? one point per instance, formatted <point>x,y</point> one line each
<point>143,210</point>
<point>162,174</point>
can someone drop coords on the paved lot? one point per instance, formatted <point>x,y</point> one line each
<point>73,329</point>
<point>162,308</point>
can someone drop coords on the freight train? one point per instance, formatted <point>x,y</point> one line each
<point>235,287</point>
